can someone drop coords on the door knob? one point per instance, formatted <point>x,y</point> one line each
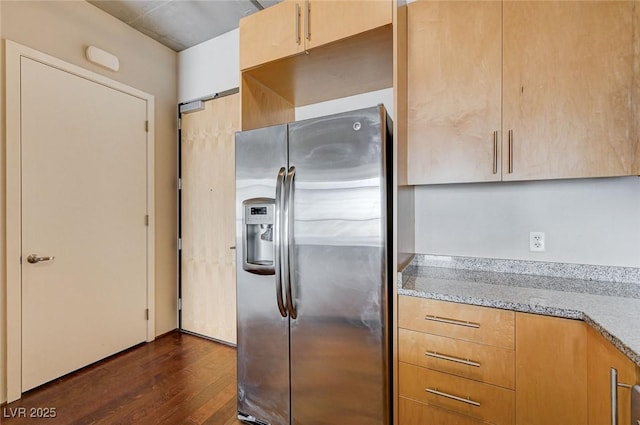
<point>34,258</point>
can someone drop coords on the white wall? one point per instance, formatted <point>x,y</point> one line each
<point>345,104</point>
<point>586,221</point>
<point>209,68</point>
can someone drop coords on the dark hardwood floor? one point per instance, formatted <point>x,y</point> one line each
<point>177,379</point>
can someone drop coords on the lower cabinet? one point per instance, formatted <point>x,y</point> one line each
<point>602,356</point>
<point>551,370</point>
<point>477,400</point>
<point>415,413</point>
<point>456,364</point>
<point>533,370</point>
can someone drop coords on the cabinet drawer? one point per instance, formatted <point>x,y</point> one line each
<point>480,401</point>
<point>414,413</point>
<point>493,365</point>
<point>461,321</point>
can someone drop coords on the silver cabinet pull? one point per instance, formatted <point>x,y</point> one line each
<point>34,258</point>
<point>452,321</point>
<point>510,151</point>
<point>614,394</point>
<point>452,358</point>
<point>297,23</point>
<point>495,152</point>
<point>635,404</point>
<point>307,9</point>
<point>452,397</point>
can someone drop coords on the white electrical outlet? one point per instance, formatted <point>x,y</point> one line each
<point>536,241</point>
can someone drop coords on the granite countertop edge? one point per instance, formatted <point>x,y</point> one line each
<point>562,312</point>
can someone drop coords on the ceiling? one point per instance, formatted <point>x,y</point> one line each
<point>180,24</point>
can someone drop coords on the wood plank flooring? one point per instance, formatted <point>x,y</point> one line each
<point>177,379</point>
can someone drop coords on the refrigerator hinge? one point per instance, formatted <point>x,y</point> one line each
<point>248,418</point>
<point>179,244</point>
<point>146,219</point>
<point>179,184</point>
<point>146,314</point>
<point>179,303</point>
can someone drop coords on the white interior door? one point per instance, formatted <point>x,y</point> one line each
<point>208,280</point>
<point>84,201</point>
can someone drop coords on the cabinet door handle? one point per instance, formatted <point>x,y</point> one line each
<point>307,11</point>
<point>614,394</point>
<point>495,152</point>
<point>297,23</point>
<point>510,151</point>
<point>452,321</point>
<point>452,358</point>
<point>452,397</point>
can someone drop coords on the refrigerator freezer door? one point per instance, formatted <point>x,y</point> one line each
<point>263,333</point>
<point>339,353</point>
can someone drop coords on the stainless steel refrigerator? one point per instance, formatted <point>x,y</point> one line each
<point>313,227</point>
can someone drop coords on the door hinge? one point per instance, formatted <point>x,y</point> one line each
<point>179,184</point>
<point>146,126</point>
<point>179,244</point>
<point>146,220</point>
<point>179,303</point>
<point>146,314</point>
<point>179,123</point>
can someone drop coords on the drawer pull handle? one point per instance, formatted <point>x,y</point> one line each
<point>452,359</point>
<point>452,321</point>
<point>452,397</point>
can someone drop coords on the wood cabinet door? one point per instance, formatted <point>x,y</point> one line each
<point>551,370</point>
<point>568,75</point>
<point>273,33</point>
<point>454,91</point>
<point>326,21</point>
<point>601,357</point>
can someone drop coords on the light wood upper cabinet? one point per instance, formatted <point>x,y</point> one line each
<point>568,74</point>
<point>295,26</point>
<point>555,79</point>
<point>333,20</point>
<point>551,370</point>
<point>601,357</point>
<point>273,33</point>
<point>454,97</point>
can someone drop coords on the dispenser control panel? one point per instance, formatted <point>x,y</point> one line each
<point>258,214</point>
<point>257,236</point>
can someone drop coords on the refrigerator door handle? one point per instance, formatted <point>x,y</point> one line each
<point>288,248</point>
<point>277,240</point>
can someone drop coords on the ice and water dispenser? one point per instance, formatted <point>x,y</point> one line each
<point>257,234</point>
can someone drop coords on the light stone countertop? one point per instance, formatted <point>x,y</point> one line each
<point>612,308</point>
